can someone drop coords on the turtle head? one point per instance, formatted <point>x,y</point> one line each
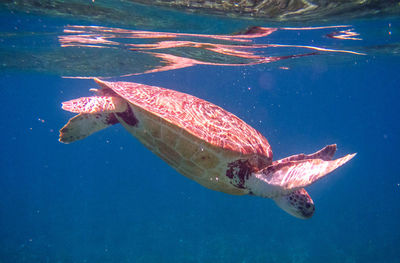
<point>298,203</point>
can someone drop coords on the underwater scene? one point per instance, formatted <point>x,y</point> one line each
<point>266,131</point>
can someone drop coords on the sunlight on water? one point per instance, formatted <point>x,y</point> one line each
<point>82,49</point>
<point>235,50</point>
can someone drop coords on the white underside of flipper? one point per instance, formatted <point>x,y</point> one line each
<point>83,125</point>
<point>294,175</point>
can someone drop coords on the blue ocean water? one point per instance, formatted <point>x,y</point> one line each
<point>108,199</point>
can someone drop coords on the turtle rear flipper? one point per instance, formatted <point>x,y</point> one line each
<point>84,124</point>
<point>95,113</point>
<point>297,203</point>
<point>95,104</point>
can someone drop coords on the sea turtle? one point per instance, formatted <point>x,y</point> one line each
<point>203,142</point>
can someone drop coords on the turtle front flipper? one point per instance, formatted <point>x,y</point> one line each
<point>297,203</point>
<point>325,154</point>
<point>293,175</point>
<point>286,179</point>
<point>95,113</point>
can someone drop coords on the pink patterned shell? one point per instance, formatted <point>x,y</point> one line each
<point>199,117</point>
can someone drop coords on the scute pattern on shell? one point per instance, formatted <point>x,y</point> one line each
<point>199,117</point>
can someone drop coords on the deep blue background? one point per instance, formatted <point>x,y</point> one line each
<point>108,199</point>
